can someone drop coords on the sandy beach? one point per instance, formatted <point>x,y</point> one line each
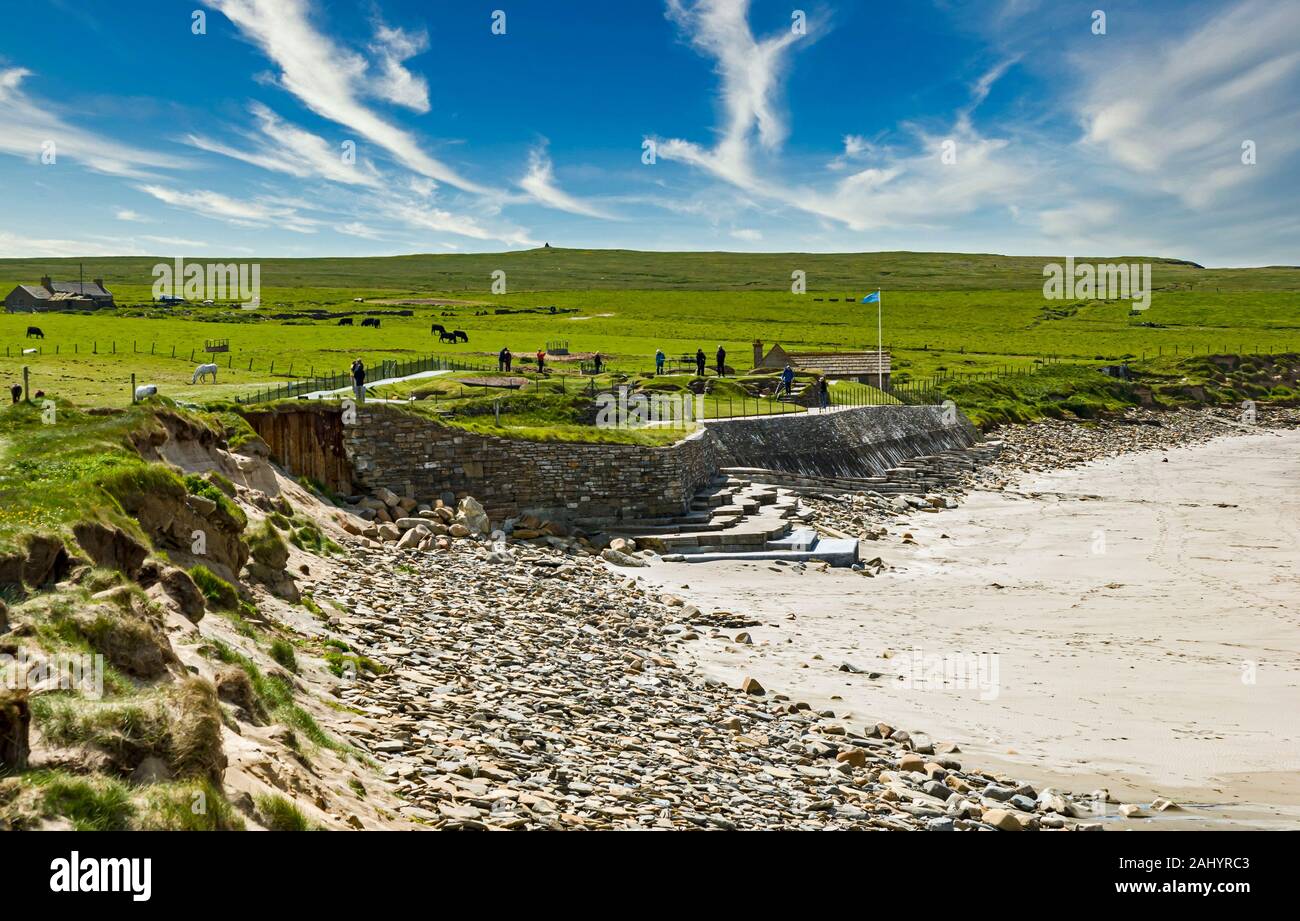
<point>1129,624</point>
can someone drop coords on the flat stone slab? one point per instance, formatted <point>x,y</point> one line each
<point>835,551</point>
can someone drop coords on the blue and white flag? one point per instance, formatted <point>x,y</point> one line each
<point>872,298</point>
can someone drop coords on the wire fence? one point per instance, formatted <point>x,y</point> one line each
<point>292,390</point>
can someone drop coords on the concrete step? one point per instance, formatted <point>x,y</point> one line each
<point>832,550</point>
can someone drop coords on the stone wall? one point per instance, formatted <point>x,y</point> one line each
<point>861,442</point>
<point>413,455</point>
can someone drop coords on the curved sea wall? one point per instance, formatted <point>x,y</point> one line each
<point>861,442</point>
<point>415,456</point>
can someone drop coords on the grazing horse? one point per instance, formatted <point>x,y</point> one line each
<point>437,328</point>
<point>346,321</point>
<point>34,332</point>
<point>445,336</point>
<point>461,335</point>
<point>370,321</point>
<point>202,371</point>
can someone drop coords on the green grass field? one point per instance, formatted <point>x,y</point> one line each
<point>943,315</point>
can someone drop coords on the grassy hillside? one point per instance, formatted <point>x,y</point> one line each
<point>586,270</point>
<point>943,315</point>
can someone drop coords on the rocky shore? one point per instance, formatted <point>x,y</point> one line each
<point>1058,445</point>
<point>524,684</point>
<point>531,688</point>
<point>1046,446</point>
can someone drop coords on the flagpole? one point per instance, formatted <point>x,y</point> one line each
<point>880,348</point>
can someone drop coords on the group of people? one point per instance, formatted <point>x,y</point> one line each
<point>505,359</point>
<point>701,360</point>
<point>785,386</point>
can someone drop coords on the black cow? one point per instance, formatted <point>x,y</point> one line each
<point>461,335</point>
<point>34,332</point>
<point>370,321</point>
<point>346,321</point>
<point>445,336</point>
<point>437,328</point>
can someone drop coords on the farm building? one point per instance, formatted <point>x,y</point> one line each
<point>59,295</point>
<point>863,367</point>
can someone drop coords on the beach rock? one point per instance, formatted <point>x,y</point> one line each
<point>854,757</point>
<point>912,763</point>
<point>1004,820</point>
<point>1000,793</point>
<point>471,514</point>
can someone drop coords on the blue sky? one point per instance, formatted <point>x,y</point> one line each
<point>1003,126</point>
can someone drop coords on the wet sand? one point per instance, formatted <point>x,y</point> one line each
<point>1143,612</point>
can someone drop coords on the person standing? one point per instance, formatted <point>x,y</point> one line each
<point>599,362</point>
<point>501,360</point>
<point>541,361</point>
<point>659,362</point>
<point>722,362</point>
<point>824,393</point>
<point>510,358</point>
<point>359,380</point>
<point>787,382</point>
<point>699,362</point>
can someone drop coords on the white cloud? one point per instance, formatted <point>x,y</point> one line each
<point>25,246</point>
<point>750,71</point>
<point>126,214</point>
<point>540,184</point>
<point>30,128</point>
<point>240,212</point>
<point>357,229</point>
<point>1176,111</point>
<point>393,47</point>
<point>177,242</point>
<point>902,189</point>
<point>427,217</point>
<point>286,148</point>
<point>748,234</point>
<point>329,79</point>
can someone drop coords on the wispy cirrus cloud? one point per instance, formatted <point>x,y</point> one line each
<point>393,47</point>
<point>750,71</point>
<point>237,211</point>
<point>285,148</point>
<point>332,81</point>
<point>30,128</point>
<point>419,215</point>
<point>1177,114</point>
<point>899,187</point>
<point>540,184</point>
<point>27,246</point>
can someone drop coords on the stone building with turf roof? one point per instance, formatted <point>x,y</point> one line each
<point>59,295</point>
<point>864,367</point>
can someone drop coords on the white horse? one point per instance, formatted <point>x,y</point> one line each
<point>144,391</point>
<point>202,371</point>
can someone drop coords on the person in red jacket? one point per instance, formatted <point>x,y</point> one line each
<point>541,361</point>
